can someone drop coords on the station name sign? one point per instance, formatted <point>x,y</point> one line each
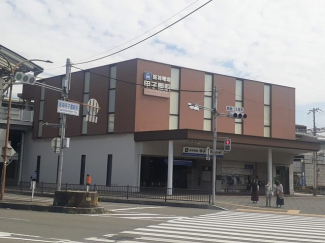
<point>156,85</point>
<point>69,108</point>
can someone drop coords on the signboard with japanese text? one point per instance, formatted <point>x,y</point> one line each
<point>156,85</point>
<point>69,108</point>
<point>234,109</point>
<point>199,152</point>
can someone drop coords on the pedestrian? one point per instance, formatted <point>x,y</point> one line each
<point>248,187</point>
<point>234,184</point>
<point>268,194</point>
<point>254,191</point>
<point>33,179</point>
<point>279,194</point>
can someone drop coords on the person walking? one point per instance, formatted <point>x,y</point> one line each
<point>33,179</point>
<point>268,194</point>
<point>254,192</point>
<point>279,194</point>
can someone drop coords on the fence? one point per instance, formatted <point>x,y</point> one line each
<point>158,193</point>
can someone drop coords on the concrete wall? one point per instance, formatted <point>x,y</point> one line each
<point>124,166</point>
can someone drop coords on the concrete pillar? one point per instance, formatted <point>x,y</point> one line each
<point>269,166</point>
<point>291,182</point>
<point>170,168</point>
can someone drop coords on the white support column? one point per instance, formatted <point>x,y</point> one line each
<point>291,188</point>
<point>170,168</point>
<point>269,166</point>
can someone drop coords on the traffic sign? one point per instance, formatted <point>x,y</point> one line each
<point>233,109</point>
<point>69,108</point>
<point>56,145</point>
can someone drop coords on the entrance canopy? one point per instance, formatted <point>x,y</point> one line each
<point>297,146</point>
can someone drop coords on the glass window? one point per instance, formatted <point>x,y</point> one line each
<point>207,125</point>
<point>111,104</point>
<point>207,104</point>
<point>112,83</point>
<point>40,129</point>
<point>41,110</point>
<point>111,118</point>
<point>239,90</point>
<point>208,85</point>
<point>267,117</point>
<point>174,101</point>
<point>84,107</point>
<point>87,82</point>
<point>267,132</point>
<point>174,84</point>
<point>267,95</point>
<point>173,122</point>
<point>238,128</point>
<point>84,126</point>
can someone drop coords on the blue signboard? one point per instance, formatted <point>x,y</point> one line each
<point>147,76</point>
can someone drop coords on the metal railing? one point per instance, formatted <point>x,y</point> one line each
<point>158,193</point>
<point>310,190</point>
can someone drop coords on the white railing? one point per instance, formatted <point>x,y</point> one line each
<point>17,115</point>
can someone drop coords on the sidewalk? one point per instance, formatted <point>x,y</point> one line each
<point>300,204</point>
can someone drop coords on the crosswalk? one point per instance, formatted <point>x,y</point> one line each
<point>228,227</point>
<point>136,216</point>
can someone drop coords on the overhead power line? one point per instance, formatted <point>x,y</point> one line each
<point>137,43</point>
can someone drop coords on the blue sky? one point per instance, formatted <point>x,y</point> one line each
<point>275,41</point>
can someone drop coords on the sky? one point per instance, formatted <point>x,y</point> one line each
<point>274,41</point>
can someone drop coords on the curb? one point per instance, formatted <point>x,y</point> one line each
<point>52,209</point>
<point>159,203</point>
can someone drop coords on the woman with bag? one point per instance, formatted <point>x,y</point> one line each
<point>268,194</point>
<point>279,194</point>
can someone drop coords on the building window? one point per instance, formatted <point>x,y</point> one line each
<point>267,111</point>
<point>41,113</point>
<point>174,99</point>
<point>208,82</point>
<point>239,103</point>
<point>82,169</point>
<point>84,128</point>
<point>111,99</point>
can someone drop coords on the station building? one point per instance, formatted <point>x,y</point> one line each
<point>144,120</point>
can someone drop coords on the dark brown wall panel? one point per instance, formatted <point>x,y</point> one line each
<point>99,90</point>
<point>152,113</point>
<point>191,80</point>
<point>74,123</point>
<point>50,108</point>
<point>254,108</point>
<point>125,96</point>
<point>283,112</point>
<point>226,97</point>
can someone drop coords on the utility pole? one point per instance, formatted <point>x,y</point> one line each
<point>214,162</point>
<point>314,159</point>
<point>65,92</point>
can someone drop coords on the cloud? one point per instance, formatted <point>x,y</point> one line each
<point>280,42</point>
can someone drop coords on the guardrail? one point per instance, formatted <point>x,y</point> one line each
<point>158,193</point>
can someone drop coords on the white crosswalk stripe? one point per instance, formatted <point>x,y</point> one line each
<point>139,216</point>
<point>233,227</point>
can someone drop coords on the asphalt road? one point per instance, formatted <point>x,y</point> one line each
<point>23,226</point>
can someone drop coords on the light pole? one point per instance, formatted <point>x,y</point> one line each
<point>215,114</point>
<point>5,156</point>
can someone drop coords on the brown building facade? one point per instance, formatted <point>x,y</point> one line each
<point>146,103</point>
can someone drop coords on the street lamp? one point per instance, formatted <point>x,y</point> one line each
<point>5,156</point>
